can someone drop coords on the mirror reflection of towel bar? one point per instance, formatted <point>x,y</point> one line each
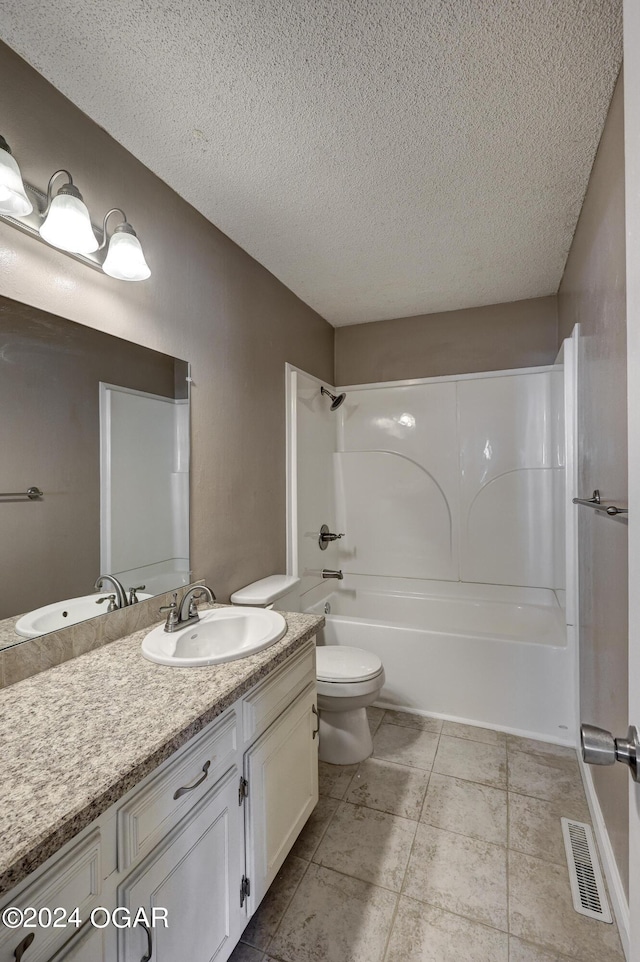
<point>31,494</point>
<point>596,502</point>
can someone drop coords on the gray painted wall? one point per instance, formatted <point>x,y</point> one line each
<point>494,338</point>
<point>207,302</point>
<point>593,293</point>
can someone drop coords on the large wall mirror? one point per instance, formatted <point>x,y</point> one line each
<point>94,471</point>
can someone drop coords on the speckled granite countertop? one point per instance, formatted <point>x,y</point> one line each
<point>77,737</point>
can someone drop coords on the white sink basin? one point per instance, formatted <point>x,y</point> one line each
<point>222,634</point>
<point>64,613</point>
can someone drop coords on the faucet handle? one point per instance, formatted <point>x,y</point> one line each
<point>112,606</point>
<point>326,536</point>
<point>172,612</point>
<point>133,597</point>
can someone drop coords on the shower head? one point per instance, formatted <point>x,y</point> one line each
<point>336,400</point>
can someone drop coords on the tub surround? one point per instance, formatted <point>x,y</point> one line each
<point>79,736</point>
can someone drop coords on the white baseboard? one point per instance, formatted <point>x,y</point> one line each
<point>616,889</point>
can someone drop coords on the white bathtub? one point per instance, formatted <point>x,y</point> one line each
<point>490,655</point>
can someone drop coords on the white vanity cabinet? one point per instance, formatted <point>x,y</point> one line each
<point>195,874</point>
<point>201,837</point>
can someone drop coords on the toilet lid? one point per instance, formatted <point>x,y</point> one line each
<point>338,663</point>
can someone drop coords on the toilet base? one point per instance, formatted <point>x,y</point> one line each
<point>345,737</point>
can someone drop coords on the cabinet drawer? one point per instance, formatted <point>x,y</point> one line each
<point>268,700</point>
<point>75,880</point>
<point>154,809</point>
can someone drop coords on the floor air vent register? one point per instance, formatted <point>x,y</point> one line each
<point>585,876</point>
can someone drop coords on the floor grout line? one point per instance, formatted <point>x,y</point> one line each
<point>403,893</point>
<point>285,910</point>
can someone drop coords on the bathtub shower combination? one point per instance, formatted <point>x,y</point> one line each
<point>451,496</point>
<point>477,653</point>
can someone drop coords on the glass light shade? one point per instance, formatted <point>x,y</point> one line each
<point>125,259</point>
<point>13,198</point>
<point>68,225</point>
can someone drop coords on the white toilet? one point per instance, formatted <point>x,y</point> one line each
<point>348,679</point>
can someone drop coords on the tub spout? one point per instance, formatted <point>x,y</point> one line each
<point>328,573</point>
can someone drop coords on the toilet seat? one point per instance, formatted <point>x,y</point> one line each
<point>342,665</point>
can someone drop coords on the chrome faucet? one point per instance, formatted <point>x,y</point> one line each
<point>121,595</point>
<point>187,613</point>
<point>329,573</point>
<point>189,609</point>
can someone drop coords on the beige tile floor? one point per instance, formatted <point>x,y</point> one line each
<point>444,846</point>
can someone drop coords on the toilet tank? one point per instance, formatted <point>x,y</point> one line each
<point>277,591</point>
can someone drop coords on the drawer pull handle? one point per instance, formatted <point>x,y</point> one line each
<point>149,953</point>
<point>190,788</point>
<point>24,945</point>
<point>314,710</point>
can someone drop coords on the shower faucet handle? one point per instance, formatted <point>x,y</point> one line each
<point>326,536</point>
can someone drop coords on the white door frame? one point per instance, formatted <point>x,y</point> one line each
<point>632,206</point>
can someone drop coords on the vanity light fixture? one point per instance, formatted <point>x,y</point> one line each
<point>61,219</point>
<point>67,224</point>
<point>13,198</point>
<point>125,257</point>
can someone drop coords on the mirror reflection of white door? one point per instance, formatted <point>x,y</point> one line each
<point>144,488</point>
<point>632,179</point>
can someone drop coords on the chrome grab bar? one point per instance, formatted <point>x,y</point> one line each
<point>595,501</point>
<point>31,494</point>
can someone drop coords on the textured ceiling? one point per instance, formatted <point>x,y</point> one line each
<point>381,157</point>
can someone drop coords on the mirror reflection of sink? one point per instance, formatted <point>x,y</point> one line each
<point>221,635</point>
<point>64,613</point>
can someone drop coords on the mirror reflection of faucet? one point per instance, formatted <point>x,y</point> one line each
<point>133,597</point>
<point>119,599</point>
<point>112,606</point>
<point>121,596</point>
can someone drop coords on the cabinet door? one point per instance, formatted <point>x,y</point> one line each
<point>281,769</point>
<point>196,875</point>
<point>88,946</point>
